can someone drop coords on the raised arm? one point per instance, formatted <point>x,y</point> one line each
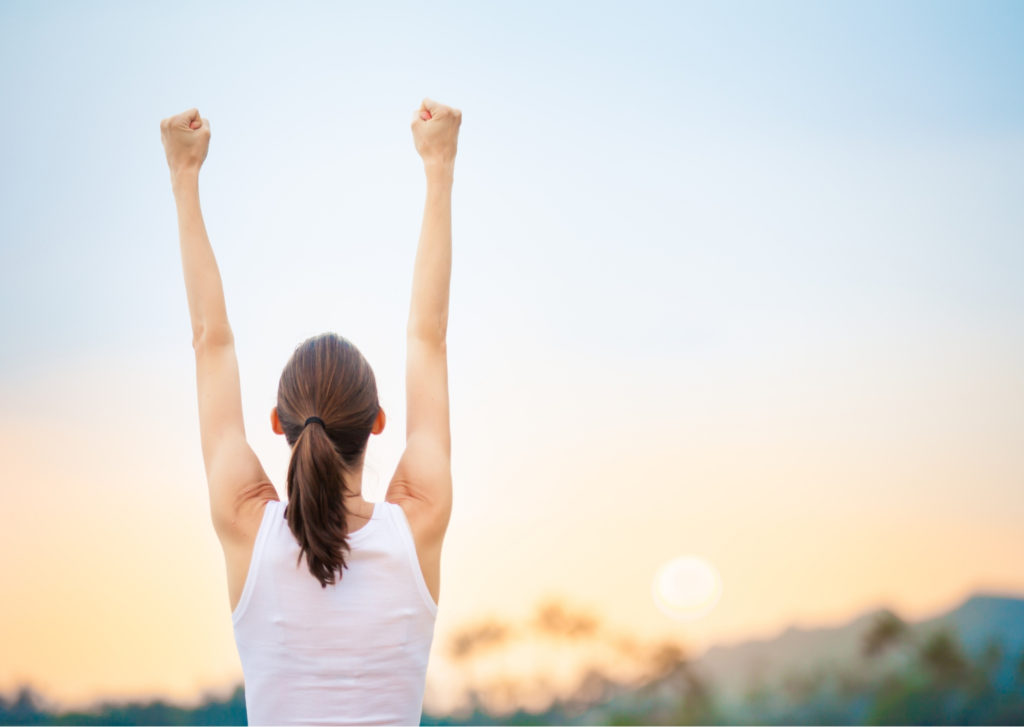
<point>233,472</point>
<point>424,470</point>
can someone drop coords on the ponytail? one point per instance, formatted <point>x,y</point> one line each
<point>316,510</point>
<point>326,377</point>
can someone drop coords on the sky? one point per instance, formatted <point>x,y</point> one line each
<point>736,281</point>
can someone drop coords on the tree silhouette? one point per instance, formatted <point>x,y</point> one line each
<point>886,631</point>
<point>943,659</point>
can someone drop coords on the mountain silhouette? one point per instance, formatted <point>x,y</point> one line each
<point>978,621</point>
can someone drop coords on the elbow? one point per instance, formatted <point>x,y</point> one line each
<point>206,336</point>
<point>435,338</point>
<point>434,331</point>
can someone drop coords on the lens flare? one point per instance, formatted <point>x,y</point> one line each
<point>686,587</point>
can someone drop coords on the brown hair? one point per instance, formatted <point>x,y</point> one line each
<point>326,377</point>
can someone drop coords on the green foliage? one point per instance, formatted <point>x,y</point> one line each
<point>937,684</point>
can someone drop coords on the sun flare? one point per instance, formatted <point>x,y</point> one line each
<point>686,587</point>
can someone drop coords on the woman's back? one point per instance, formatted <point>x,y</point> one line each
<point>355,652</point>
<point>316,650</point>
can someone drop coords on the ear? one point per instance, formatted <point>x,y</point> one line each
<point>275,423</point>
<point>378,424</point>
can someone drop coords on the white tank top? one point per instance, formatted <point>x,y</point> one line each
<point>354,652</point>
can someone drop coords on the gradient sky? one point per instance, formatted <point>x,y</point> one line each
<point>736,280</point>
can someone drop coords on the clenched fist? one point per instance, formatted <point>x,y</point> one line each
<point>186,139</point>
<point>435,131</point>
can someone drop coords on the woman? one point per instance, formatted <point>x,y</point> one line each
<point>344,638</point>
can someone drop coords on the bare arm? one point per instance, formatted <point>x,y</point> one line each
<point>233,472</point>
<point>186,140</point>
<point>424,471</point>
<point>428,310</point>
<point>426,362</point>
<point>203,286</point>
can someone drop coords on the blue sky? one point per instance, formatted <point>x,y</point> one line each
<point>747,268</point>
<point>616,159</point>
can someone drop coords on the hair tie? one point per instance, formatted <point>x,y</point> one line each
<point>314,419</point>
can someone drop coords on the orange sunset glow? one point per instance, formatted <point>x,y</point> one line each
<point>735,345</point>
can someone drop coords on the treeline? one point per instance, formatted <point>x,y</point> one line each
<point>903,677</point>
